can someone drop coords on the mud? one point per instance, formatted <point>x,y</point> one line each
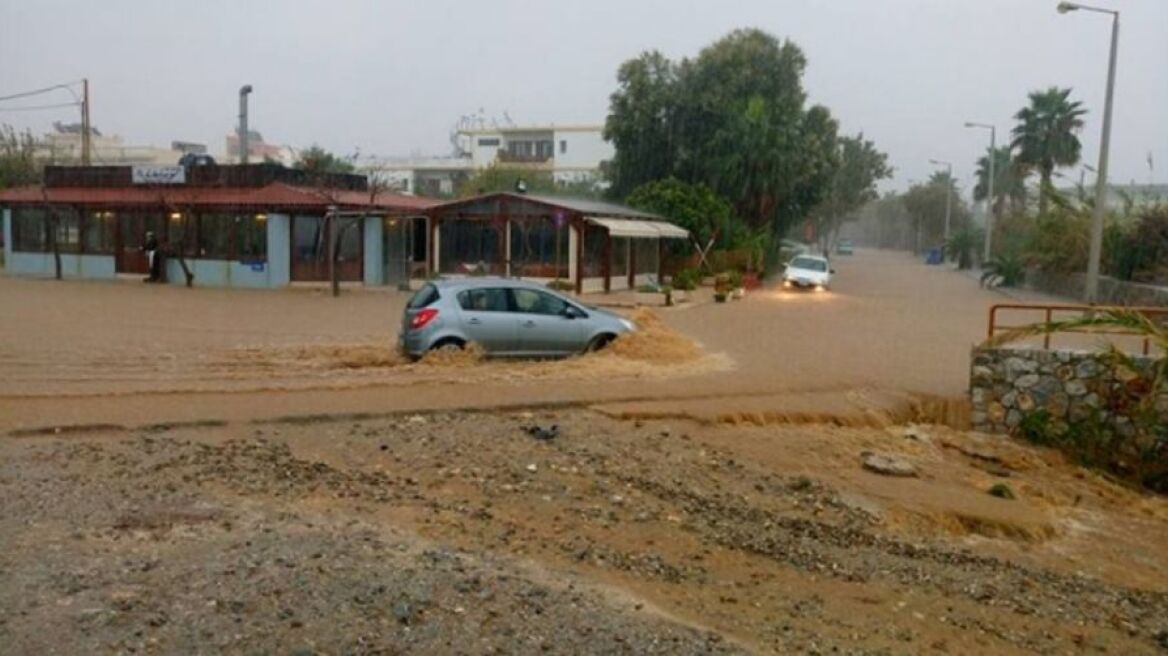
<point>460,533</point>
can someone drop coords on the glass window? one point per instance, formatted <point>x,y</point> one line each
<point>350,237</point>
<point>488,143</point>
<point>180,233</point>
<point>620,256</point>
<point>468,247</point>
<point>29,230</point>
<point>97,233</point>
<point>535,302</point>
<point>424,296</point>
<point>483,300</point>
<point>594,242</point>
<point>563,146</point>
<point>251,237</point>
<point>647,255</point>
<point>68,229</point>
<point>215,236</point>
<point>537,247</point>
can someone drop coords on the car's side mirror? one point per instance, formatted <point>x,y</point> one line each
<point>571,312</point>
<point>833,271</point>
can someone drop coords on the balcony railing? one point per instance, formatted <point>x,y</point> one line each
<point>516,158</point>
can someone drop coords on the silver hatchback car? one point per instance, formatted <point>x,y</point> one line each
<point>507,318</point>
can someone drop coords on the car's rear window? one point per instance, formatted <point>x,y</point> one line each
<point>425,296</point>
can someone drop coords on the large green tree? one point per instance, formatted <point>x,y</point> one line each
<point>18,162</point>
<point>853,185</point>
<point>733,118</point>
<point>641,122</point>
<point>1045,136</point>
<point>925,206</point>
<point>315,159</point>
<point>1009,179</point>
<point>694,207</point>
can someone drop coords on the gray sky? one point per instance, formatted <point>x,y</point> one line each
<point>392,77</point>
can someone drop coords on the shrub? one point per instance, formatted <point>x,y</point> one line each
<point>1007,269</point>
<point>734,277</point>
<point>1001,491</point>
<point>687,279</point>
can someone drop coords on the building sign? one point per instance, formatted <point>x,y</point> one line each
<point>159,175</point>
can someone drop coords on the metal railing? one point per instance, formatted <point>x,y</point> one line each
<point>1048,312</point>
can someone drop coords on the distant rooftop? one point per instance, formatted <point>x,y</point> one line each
<point>535,128</point>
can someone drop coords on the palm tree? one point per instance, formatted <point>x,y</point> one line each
<point>1009,179</point>
<point>1045,135</point>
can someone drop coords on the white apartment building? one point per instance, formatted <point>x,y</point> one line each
<point>571,153</point>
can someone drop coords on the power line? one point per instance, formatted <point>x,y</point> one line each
<point>36,92</point>
<point>30,108</point>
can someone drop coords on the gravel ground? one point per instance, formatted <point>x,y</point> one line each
<point>460,533</point>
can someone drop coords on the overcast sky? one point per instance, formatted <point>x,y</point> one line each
<point>391,78</point>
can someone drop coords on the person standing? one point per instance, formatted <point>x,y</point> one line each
<point>153,258</point>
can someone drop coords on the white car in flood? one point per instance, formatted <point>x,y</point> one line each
<point>808,272</point>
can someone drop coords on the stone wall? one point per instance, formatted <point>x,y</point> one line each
<point>1006,384</point>
<point>1111,291</point>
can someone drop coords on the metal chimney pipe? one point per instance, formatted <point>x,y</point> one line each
<point>243,131</point>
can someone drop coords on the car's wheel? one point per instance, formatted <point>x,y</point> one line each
<point>448,344</point>
<point>599,342</point>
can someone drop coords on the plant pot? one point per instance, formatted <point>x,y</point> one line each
<point>738,294</point>
<point>720,297</point>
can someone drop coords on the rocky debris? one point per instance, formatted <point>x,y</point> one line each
<point>623,504</point>
<point>887,465</point>
<point>541,433</point>
<point>917,434</point>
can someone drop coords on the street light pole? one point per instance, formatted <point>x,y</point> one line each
<point>1091,294</point>
<point>948,192</point>
<point>990,198</point>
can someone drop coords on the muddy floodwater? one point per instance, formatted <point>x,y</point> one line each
<point>225,471</point>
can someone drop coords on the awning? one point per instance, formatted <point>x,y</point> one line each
<point>640,229</point>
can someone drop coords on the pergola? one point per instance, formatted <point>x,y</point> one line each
<point>594,245</point>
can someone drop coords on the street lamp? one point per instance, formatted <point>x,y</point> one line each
<point>1096,253</point>
<point>948,191</point>
<point>989,227</point>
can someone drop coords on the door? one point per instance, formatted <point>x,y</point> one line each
<point>544,327</point>
<point>130,256</point>
<point>310,244</point>
<point>309,247</point>
<point>486,319</point>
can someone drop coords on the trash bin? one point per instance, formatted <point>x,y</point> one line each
<point>934,256</point>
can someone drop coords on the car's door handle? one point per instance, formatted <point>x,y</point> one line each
<point>474,321</point>
<point>529,324</point>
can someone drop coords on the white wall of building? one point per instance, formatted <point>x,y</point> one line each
<point>581,149</point>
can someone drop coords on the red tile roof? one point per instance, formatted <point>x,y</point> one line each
<point>273,196</point>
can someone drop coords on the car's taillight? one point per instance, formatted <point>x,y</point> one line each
<point>422,318</point>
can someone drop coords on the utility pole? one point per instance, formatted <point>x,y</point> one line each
<point>86,143</point>
<point>991,199</point>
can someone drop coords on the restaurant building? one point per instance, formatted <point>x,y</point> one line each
<point>260,225</point>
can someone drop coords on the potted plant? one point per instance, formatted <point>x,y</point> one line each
<point>683,282</point>
<point>722,287</point>
<point>737,288</point>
